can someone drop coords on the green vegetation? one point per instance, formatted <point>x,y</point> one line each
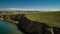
<point>50,18</point>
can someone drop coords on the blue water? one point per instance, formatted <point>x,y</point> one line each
<point>8,28</point>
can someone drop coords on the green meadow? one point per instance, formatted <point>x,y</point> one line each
<point>50,18</point>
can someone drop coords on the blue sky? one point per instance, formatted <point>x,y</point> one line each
<point>41,5</point>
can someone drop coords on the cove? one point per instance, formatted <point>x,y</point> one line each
<point>8,28</point>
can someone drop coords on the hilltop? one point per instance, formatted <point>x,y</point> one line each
<point>50,18</point>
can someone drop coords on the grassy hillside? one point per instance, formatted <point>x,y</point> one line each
<point>50,18</point>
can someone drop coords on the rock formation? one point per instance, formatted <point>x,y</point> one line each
<point>33,27</point>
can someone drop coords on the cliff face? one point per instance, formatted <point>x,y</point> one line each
<point>32,27</point>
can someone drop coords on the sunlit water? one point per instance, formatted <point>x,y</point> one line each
<point>8,28</point>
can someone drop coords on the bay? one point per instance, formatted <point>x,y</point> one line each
<point>8,28</point>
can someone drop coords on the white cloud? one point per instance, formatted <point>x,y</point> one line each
<point>21,9</point>
<point>15,9</point>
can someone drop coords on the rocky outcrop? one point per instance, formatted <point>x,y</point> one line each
<point>56,30</point>
<point>33,27</point>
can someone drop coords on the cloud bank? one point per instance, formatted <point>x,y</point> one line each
<point>21,9</point>
<point>14,9</point>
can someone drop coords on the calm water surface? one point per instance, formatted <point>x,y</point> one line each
<point>8,28</point>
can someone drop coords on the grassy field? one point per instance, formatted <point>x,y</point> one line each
<point>50,18</point>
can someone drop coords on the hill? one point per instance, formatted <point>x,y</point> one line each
<point>50,18</point>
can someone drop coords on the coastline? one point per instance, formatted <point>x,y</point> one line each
<point>8,20</point>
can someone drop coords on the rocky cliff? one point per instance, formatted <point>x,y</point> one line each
<point>33,27</point>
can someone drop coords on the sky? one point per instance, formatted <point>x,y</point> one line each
<point>35,5</point>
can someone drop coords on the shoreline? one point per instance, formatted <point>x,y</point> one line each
<point>8,20</point>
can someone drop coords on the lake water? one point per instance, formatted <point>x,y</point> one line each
<point>8,28</point>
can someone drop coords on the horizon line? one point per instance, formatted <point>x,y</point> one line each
<point>27,9</point>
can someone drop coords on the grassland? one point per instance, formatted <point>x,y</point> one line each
<point>50,18</point>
